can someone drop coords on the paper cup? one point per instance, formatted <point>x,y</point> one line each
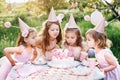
<point>92,62</point>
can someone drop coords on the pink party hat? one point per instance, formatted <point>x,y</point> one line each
<point>96,16</point>
<point>52,16</point>
<point>100,26</point>
<point>24,28</point>
<point>71,23</point>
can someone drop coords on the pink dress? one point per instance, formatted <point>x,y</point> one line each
<point>111,75</point>
<point>24,56</point>
<point>23,68</point>
<point>5,65</point>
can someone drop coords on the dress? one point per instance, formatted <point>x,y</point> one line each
<point>24,56</point>
<point>40,54</point>
<point>5,67</point>
<point>111,75</point>
<point>22,67</point>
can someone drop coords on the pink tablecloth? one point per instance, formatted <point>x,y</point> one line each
<point>58,74</point>
<point>50,73</point>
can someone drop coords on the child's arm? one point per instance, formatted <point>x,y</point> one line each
<point>111,60</point>
<point>38,40</point>
<point>83,55</point>
<point>34,55</point>
<point>8,51</point>
<point>85,47</point>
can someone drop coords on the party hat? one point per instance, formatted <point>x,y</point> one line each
<point>71,23</point>
<point>52,16</point>
<point>24,28</point>
<point>96,16</point>
<point>100,26</point>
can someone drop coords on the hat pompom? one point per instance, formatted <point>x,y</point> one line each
<point>7,24</point>
<point>118,13</point>
<point>87,18</point>
<point>106,23</point>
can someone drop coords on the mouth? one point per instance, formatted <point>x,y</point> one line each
<point>55,35</point>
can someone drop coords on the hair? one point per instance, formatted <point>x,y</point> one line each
<point>78,34</point>
<point>20,40</point>
<point>45,35</point>
<point>99,38</point>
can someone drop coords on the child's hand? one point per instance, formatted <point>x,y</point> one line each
<point>13,62</point>
<point>83,55</point>
<point>102,70</point>
<point>71,51</point>
<point>31,61</point>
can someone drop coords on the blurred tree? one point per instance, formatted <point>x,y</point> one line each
<point>88,6</point>
<point>3,6</point>
<point>39,6</point>
<point>94,4</point>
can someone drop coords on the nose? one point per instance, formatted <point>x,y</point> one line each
<point>56,31</point>
<point>69,40</point>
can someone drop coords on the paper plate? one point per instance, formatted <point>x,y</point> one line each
<point>81,71</point>
<point>64,64</point>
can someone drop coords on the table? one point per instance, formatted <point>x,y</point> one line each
<point>50,73</point>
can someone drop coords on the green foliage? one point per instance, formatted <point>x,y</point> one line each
<point>113,33</point>
<point>8,37</point>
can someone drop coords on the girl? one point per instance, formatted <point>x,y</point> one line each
<point>23,53</point>
<point>73,39</point>
<point>50,37</point>
<point>97,39</point>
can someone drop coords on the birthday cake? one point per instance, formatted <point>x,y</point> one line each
<point>62,59</point>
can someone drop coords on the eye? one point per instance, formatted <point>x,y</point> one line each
<point>33,37</point>
<point>57,29</point>
<point>88,39</point>
<point>52,29</point>
<point>72,37</point>
<point>67,37</point>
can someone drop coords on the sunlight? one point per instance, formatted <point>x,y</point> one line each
<point>109,1</point>
<point>16,1</point>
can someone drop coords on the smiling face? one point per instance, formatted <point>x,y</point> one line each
<point>53,31</point>
<point>71,38</point>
